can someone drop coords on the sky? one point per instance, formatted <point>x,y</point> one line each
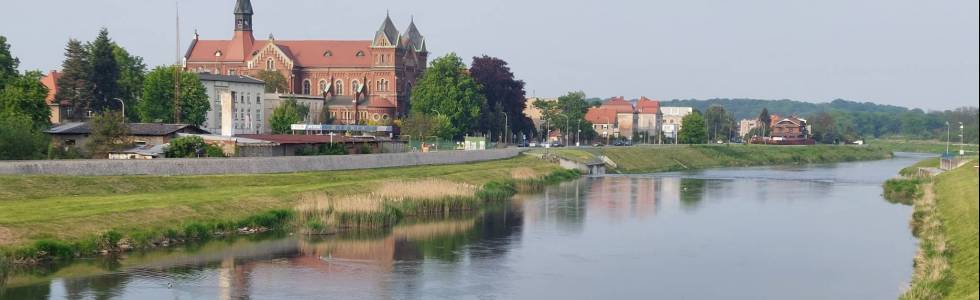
<point>912,53</point>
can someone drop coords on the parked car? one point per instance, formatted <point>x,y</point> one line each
<point>523,144</point>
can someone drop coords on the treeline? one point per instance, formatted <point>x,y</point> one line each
<point>850,120</point>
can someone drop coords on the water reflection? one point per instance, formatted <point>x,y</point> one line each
<point>618,236</point>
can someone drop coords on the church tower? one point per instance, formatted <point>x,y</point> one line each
<point>243,15</point>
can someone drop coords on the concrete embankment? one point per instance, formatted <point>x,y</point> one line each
<point>251,165</point>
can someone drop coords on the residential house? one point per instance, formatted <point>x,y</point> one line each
<point>76,133</point>
<point>60,111</point>
<point>648,119</point>
<point>236,104</point>
<point>672,119</point>
<point>603,122</point>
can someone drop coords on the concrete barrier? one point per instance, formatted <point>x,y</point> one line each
<point>247,165</point>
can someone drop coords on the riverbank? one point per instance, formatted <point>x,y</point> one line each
<point>666,158</point>
<point>945,220</point>
<point>57,214</point>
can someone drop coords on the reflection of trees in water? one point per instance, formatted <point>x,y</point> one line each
<point>96,287</point>
<point>692,192</point>
<point>33,291</point>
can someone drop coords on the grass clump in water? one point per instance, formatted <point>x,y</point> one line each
<point>902,190</point>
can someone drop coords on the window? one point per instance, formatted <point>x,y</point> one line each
<point>338,87</point>
<point>231,72</point>
<point>354,86</point>
<point>323,86</point>
<point>270,65</point>
<point>306,87</point>
<point>359,53</point>
<point>217,53</point>
<point>258,99</point>
<point>382,85</point>
<point>327,53</point>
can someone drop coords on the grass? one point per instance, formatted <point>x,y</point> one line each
<point>945,219</point>
<point>902,190</point>
<point>72,209</point>
<point>663,158</point>
<point>956,199</point>
<point>913,170</point>
<point>920,146</point>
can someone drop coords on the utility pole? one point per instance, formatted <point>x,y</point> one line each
<point>177,66</point>
<point>947,139</point>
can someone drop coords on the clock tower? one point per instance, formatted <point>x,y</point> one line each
<point>243,15</point>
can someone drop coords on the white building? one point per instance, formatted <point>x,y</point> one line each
<point>672,119</point>
<point>239,98</point>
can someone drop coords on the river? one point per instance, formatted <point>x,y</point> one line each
<point>794,232</point>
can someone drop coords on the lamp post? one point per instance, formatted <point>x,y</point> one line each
<point>506,127</point>
<point>961,139</point>
<point>947,139</point>
<point>578,132</point>
<point>123,104</point>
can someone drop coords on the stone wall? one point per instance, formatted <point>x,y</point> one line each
<point>244,165</point>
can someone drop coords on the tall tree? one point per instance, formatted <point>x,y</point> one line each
<point>720,125</point>
<point>109,132</point>
<point>74,86</point>
<point>157,104</point>
<point>274,81</point>
<point>504,94</point>
<point>692,129</point>
<point>765,121</point>
<point>104,73</point>
<point>569,111</point>
<point>24,95</point>
<point>288,112</point>
<point>824,128</point>
<point>8,63</point>
<point>447,90</point>
<point>422,126</point>
<point>132,72</point>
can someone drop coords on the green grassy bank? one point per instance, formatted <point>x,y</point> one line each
<point>52,212</point>
<point>920,146</point>
<point>648,159</point>
<point>945,219</point>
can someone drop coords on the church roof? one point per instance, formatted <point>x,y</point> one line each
<point>413,39</point>
<point>304,53</point>
<point>243,7</point>
<point>387,32</point>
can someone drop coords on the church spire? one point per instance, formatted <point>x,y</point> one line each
<point>387,35</point>
<point>243,15</point>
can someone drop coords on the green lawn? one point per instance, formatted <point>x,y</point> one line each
<point>922,146</point>
<point>68,208</point>
<point>956,196</point>
<point>661,158</point>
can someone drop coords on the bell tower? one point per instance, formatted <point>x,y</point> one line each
<point>243,15</point>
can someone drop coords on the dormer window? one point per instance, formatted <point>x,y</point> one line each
<point>359,53</point>
<point>327,53</point>
<point>217,53</point>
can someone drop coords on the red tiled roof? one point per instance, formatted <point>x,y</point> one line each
<point>304,53</point>
<point>601,116</point>
<point>51,81</point>
<point>618,104</point>
<point>647,106</point>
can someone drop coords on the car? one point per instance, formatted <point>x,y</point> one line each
<point>523,144</point>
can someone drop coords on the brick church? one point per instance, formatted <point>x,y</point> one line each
<point>357,80</point>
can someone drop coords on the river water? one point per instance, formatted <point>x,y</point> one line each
<point>799,232</point>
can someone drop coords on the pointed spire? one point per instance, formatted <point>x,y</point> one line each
<point>243,7</point>
<point>413,39</point>
<point>387,33</point>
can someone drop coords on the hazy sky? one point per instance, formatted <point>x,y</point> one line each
<point>905,52</point>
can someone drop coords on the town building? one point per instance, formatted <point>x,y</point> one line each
<point>59,110</point>
<point>746,125</point>
<point>75,134</point>
<point>792,128</point>
<point>648,120</point>
<point>625,115</point>
<point>603,122</point>
<point>673,117</point>
<point>380,71</point>
<point>236,104</point>
<point>533,112</point>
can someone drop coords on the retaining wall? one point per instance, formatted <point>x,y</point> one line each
<point>247,165</point>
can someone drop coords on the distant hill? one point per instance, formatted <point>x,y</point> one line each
<point>750,108</point>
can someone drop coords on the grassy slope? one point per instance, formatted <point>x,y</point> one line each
<point>922,146</point>
<point>644,159</point>
<point>34,207</point>
<point>956,193</point>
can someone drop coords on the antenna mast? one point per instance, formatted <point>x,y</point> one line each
<point>177,66</point>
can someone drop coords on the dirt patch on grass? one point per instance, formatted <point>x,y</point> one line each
<point>7,236</point>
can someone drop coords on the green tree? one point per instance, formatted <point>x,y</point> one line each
<point>720,124</point>
<point>824,128</point>
<point>274,81</point>
<point>692,129</point>
<point>446,89</point>
<point>8,63</point>
<point>109,132</point>
<point>24,95</point>
<point>157,103</point>
<point>571,106</point>
<point>74,86</point>
<point>288,112</point>
<point>504,95</point>
<point>104,72</point>
<point>20,140</point>
<point>421,126</point>
<point>765,121</point>
<point>132,73</point>
<point>191,147</point>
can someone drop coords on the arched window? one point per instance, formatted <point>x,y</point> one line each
<point>338,87</point>
<point>270,65</point>
<point>323,86</point>
<point>359,53</point>
<point>306,87</point>
<point>354,85</point>
<point>384,85</point>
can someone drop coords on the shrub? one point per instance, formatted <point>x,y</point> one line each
<point>902,191</point>
<point>191,146</point>
<point>53,249</point>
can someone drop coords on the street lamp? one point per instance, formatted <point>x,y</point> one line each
<point>506,127</point>
<point>947,139</point>
<point>123,103</point>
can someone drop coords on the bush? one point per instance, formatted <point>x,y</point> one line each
<point>902,191</point>
<point>323,149</point>
<point>53,249</point>
<point>191,147</point>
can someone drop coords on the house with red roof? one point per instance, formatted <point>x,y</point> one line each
<point>648,119</point>
<point>59,111</point>
<point>379,72</point>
